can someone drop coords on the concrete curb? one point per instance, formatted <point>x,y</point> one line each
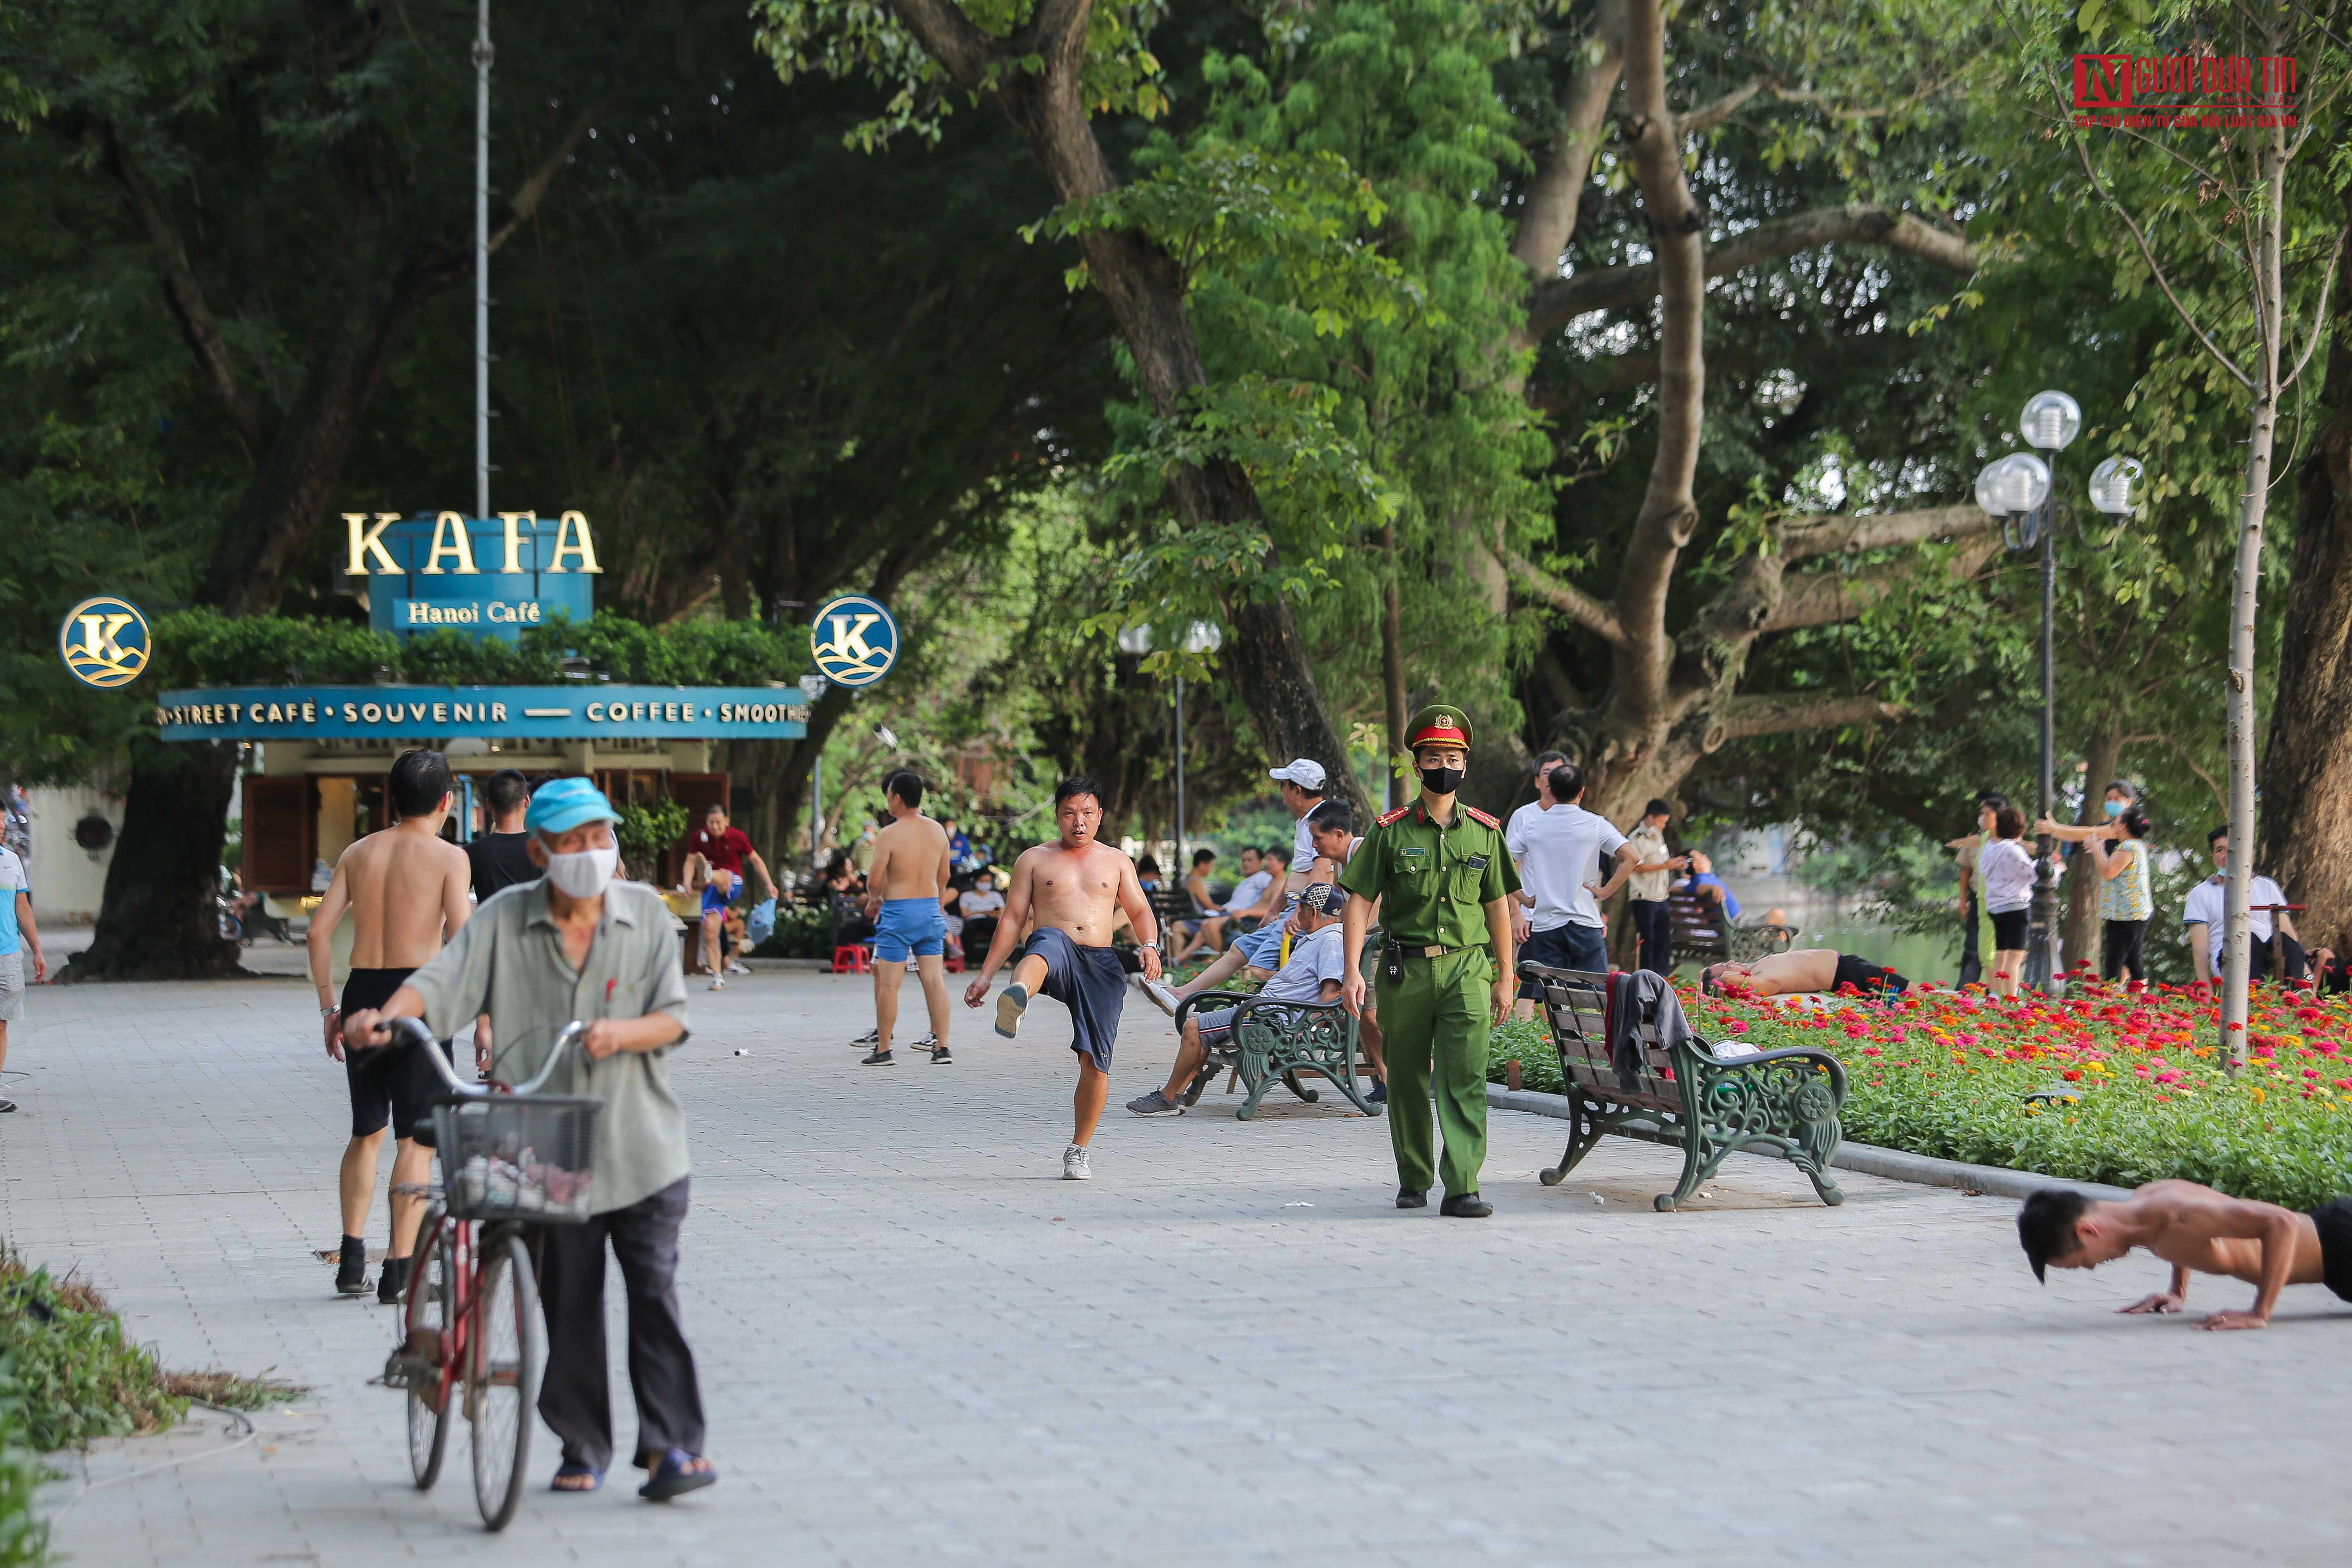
<point>1894,1164</point>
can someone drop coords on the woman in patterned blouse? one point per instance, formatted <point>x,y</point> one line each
<point>2125,905</point>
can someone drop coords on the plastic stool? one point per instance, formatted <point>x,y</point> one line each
<point>853,958</point>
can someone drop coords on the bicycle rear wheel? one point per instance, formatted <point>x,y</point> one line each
<point>422,1318</point>
<point>507,1356</point>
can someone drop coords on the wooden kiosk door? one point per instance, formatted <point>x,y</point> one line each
<point>281,836</point>
<point>697,793</point>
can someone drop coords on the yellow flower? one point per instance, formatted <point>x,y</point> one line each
<point>2257,1093</point>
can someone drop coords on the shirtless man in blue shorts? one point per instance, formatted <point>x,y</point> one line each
<point>1073,889</point>
<point>906,887</point>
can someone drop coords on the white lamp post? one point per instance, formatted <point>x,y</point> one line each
<point>1201,637</point>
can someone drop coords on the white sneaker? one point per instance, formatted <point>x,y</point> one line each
<point>737,969</point>
<point>1163,997</point>
<point>1073,1164</point>
<point>719,983</point>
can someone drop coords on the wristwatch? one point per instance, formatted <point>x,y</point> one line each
<point>330,1010</point>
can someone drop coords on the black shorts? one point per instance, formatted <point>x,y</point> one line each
<point>1090,982</point>
<point>1866,977</point>
<point>2334,1219</point>
<point>387,1082</point>
<point>2010,929</point>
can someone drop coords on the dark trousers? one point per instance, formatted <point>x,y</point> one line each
<point>574,1397</point>
<point>1654,924</point>
<point>1971,937</point>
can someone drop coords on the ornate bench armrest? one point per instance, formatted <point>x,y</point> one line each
<point>1809,1055</point>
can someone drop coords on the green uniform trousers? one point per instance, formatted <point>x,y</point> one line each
<point>1434,1024</point>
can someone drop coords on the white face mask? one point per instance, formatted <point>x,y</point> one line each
<point>583,876</point>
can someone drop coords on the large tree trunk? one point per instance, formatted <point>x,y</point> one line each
<point>2307,761</point>
<point>157,920</point>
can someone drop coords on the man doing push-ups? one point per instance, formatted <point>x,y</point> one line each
<point>2195,1229</point>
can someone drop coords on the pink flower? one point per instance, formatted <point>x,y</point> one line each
<point>2169,1077</point>
<point>1870,1050</point>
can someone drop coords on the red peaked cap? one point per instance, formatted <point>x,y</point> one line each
<point>1439,726</point>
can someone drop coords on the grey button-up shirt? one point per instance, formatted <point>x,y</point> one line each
<point>507,960</point>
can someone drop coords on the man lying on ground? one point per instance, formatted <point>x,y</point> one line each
<point>1313,974</point>
<point>1811,969</point>
<point>2194,1228</point>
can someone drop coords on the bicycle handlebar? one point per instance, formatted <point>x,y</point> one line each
<point>413,1032</point>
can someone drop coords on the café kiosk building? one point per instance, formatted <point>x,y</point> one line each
<point>321,753</point>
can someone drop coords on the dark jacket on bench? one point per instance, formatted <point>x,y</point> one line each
<point>1634,997</point>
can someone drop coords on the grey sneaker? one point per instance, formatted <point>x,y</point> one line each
<point>1009,1008</point>
<point>872,1037</point>
<point>1073,1164</point>
<point>1163,997</point>
<point>1156,1103</point>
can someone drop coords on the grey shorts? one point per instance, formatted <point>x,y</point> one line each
<point>11,987</point>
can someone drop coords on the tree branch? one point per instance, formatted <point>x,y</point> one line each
<point>1833,533</point>
<point>963,50</point>
<point>1745,718</point>
<point>181,293</point>
<point>1568,600</point>
<point>1707,116</point>
<point>533,189</point>
<point>1556,194</point>
<point>1829,598</point>
<point>1557,303</point>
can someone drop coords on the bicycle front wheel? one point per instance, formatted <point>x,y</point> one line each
<point>424,1317</point>
<point>507,1354</point>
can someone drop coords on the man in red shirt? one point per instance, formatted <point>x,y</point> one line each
<point>724,849</point>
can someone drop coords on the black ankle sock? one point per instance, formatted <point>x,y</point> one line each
<point>355,1245</point>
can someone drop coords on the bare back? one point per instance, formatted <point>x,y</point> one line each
<point>1077,891</point>
<point>407,895</point>
<point>2193,1226</point>
<point>910,860</point>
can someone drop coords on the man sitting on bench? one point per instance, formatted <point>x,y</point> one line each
<point>2194,1229</point>
<point>1313,974</point>
<point>1813,969</point>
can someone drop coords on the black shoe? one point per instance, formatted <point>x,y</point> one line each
<point>879,1059</point>
<point>939,1056</point>
<point>1466,1206</point>
<point>351,1270</point>
<point>7,1106</point>
<point>391,1280</point>
<point>870,1038</point>
<point>1379,1095</point>
<point>1409,1199</point>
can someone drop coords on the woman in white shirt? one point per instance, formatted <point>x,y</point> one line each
<point>2007,871</point>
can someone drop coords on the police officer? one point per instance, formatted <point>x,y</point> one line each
<point>1445,882</point>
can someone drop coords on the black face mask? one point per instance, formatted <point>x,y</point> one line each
<point>1441,781</point>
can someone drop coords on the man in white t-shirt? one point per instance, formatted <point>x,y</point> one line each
<point>1558,847</point>
<point>1318,964</point>
<point>2206,910</point>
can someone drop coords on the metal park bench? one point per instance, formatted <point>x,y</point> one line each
<point>1273,1042</point>
<point>1701,933</point>
<point>1686,1096</point>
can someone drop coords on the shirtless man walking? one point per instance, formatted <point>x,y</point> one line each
<point>2199,1230</point>
<point>1072,888</point>
<point>406,890</point>
<point>905,891</point>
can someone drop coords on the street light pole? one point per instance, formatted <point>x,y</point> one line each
<point>2044,969</point>
<point>1183,868</point>
<point>482,56</point>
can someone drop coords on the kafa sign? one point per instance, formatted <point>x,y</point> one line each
<point>2182,92</point>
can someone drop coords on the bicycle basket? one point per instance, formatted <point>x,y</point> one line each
<point>518,1157</point>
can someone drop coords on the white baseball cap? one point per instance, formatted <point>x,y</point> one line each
<point>1306,773</point>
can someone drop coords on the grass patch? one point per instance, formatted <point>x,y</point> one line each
<point>229,1389</point>
<point>2107,1085</point>
<point>77,1374</point>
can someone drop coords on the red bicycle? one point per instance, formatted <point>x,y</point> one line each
<point>471,1333</point>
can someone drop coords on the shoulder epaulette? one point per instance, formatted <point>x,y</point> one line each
<point>1478,815</point>
<point>1392,815</point>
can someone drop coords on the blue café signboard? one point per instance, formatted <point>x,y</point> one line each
<point>585,711</point>
<point>480,576</point>
<point>854,640</point>
<point>105,642</point>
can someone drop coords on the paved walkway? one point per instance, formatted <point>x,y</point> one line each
<point>916,1343</point>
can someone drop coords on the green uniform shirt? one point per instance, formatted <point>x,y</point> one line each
<point>1433,883</point>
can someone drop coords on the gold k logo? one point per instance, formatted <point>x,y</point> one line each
<point>863,643</point>
<point>104,642</point>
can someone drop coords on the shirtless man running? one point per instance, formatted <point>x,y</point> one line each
<point>2195,1229</point>
<point>905,891</point>
<point>407,891</point>
<point>1072,888</point>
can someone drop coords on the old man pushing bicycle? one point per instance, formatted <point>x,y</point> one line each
<point>544,1181</point>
